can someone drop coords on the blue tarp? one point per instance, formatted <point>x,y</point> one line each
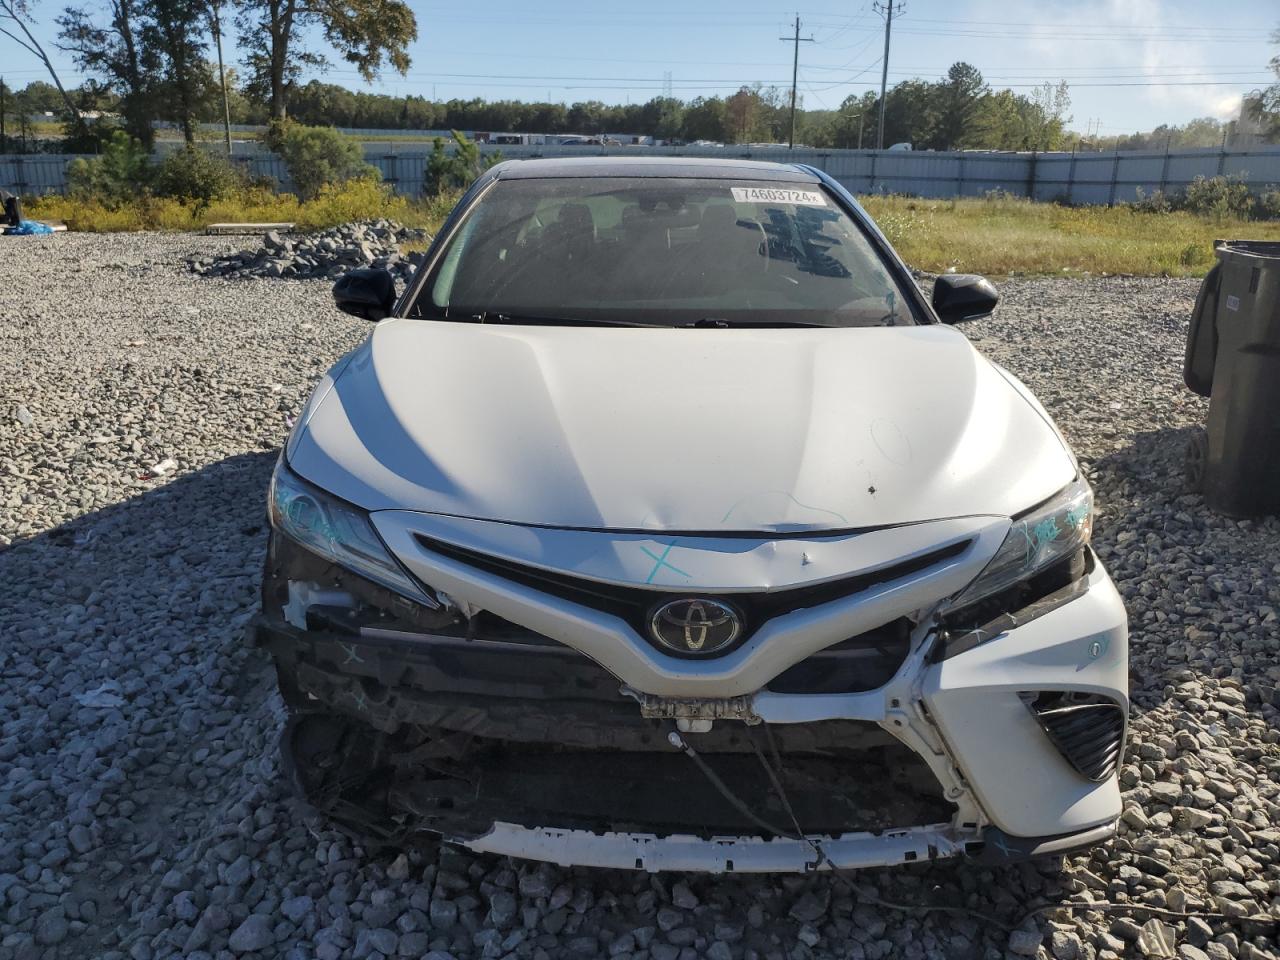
<point>28,228</point>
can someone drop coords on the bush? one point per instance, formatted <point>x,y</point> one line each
<point>364,199</point>
<point>447,170</point>
<point>1268,207</point>
<point>316,156</point>
<point>1155,202</point>
<point>198,177</point>
<point>120,174</point>
<point>1218,197</point>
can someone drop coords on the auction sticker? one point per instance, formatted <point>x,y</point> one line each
<point>804,198</point>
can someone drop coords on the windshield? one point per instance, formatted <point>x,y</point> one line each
<point>651,251</point>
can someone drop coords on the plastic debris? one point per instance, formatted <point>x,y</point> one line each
<point>23,416</point>
<point>1157,939</point>
<point>167,465</point>
<point>106,696</point>
<point>28,228</point>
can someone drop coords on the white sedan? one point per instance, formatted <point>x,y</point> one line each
<point>663,524</point>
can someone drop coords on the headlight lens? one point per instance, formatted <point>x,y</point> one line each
<point>1037,539</point>
<point>337,531</point>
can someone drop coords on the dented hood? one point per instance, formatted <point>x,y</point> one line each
<point>690,430</point>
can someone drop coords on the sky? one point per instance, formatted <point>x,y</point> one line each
<point>1131,64</point>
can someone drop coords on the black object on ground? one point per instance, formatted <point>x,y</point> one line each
<point>12,208</point>
<point>1233,357</point>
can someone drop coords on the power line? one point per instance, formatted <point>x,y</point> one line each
<point>643,83</point>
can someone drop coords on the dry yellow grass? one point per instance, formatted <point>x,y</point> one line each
<point>996,236</point>
<point>359,200</point>
<point>1004,235</point>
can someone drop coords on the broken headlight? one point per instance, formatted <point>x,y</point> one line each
<point>337,531</point>
<point>1037,539</point>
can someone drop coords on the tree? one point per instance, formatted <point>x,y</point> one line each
<point>41,97</point>
<point>1044,116</point>
<point>705,119</point>
<point>741,112</point>
<point>958,98</point>
<point>14,15</point>
<point>315,156</point>
<point>176,35</point>
<point>366,33</point>
<point>587,117</point>
<point>150,53</point>
<point>1266,106</point>
<point>911,114</point>
<point>116,54</point>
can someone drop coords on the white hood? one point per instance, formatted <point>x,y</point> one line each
<point>688,430</point>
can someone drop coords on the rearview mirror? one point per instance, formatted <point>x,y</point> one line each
<point>367,293</point>
<point>963,296</point>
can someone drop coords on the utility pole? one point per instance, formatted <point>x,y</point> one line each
<point>887,10</point>
<point>222,75</point>
<point>3,140</point>
<point>795,74</point>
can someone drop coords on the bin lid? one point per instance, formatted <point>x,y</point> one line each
<point>1263,249</point>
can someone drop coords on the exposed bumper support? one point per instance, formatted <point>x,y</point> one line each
<point>852,851</point>
<point>639,851</point>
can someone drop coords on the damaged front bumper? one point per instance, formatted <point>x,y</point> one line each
<point>506,741</point>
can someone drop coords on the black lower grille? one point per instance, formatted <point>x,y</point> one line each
<point>1088,730</point>
<point>859,663</point>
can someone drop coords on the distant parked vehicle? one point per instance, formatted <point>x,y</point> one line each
<point>901,147</point>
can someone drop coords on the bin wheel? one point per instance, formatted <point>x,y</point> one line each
<point>1197,458</point>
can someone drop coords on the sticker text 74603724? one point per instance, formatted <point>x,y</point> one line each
<point>807,198</point>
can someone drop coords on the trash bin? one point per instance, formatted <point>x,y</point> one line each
<point>1233,357</point>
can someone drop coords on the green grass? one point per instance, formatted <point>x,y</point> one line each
<point>1003,236</point>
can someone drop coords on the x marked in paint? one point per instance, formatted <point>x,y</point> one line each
<point>660,562</point>
<point>352,656</point>
<point>361,703</point>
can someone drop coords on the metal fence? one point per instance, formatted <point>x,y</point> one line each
<point>1078,178</point>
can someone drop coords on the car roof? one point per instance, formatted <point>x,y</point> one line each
<point>712,168</point>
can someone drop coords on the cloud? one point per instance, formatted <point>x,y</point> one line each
<point>1131,55</point>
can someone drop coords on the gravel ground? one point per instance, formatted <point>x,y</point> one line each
<point>141,809</point>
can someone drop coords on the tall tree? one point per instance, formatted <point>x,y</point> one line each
<point>1266,106</point>
<point>366,33</point>
<point>958,98</point>
<point>116,54</point>
<point>911,114</point>
<point>176,33</point>
<point>704,119</point>
<point>1045,115</point>
<point>16,15</point>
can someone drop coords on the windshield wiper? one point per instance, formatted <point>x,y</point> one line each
<point>536,320</point>
<point>721,322</point>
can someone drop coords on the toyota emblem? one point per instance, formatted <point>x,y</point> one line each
<point>695,625</point>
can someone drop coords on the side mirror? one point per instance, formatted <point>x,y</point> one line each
<point>963,296</point>
<point>368,293</point>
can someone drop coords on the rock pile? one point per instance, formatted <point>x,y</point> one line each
<point>324,255</point>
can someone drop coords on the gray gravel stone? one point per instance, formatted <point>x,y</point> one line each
<point>255,933</point>
<point>132,714</point>
<point>324,255</point>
